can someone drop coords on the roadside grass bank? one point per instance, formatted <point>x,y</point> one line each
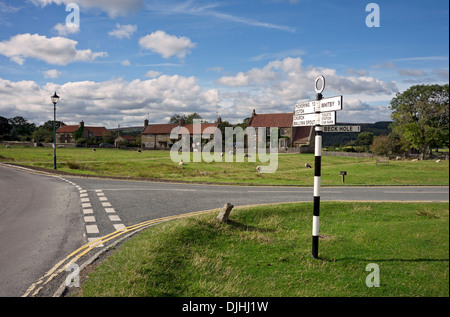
<point>265,251</point>
<point>157,165</point>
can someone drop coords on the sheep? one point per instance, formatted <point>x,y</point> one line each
<point>398,158</point>
<point>181,163</point>
<point>438,161</point>
<point>307,165</point>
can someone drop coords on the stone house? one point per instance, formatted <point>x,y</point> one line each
<point>124,139</point>
<point>65,133</point>
<point>157,136</point>
<point>289,136</point>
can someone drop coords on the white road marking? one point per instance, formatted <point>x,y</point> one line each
<point>119,226</point>
<point>89,219</point>
<point>92,229</point>
<point>114,218</point>
<point>97,245</point>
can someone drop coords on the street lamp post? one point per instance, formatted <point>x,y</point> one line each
<point>55,99</point>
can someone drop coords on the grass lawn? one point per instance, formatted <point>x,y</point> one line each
<point>265,251</point>
<point>290,171</point>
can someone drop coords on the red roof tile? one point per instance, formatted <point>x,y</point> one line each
<point>159,128</point>
<point>167,128</point>
<point>96,131</point>
<point>68,129</point>
<point>276,120</point>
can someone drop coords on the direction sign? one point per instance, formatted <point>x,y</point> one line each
<point>324,105</point>
<point>305,107</point>
<point>311,119</point>
<point>328,118</point>
<point>331,104</point>
<point>342,128</point>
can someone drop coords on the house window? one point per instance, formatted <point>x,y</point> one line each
<point>283,132</point>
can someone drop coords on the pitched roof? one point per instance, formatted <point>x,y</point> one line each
<point>68,129</point>
<point>159,128</point>
<point>167,128</point>
<point>203,126</point>
<point>96,131</point>
<point>276,120</point>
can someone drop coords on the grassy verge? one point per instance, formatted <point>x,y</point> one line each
<point>265,251</point>
<point>291,168</point>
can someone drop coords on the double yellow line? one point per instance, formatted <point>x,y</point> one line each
<point>73,257</point>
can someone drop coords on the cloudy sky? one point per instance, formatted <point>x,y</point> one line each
<point>120,62</point>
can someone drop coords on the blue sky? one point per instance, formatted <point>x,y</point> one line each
<point>129,60</point>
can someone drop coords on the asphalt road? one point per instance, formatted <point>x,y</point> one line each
<point>40,222</point>
<point>45,218</point>
<point>135,202</point>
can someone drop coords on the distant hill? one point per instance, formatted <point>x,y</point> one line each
<point>342,138</point>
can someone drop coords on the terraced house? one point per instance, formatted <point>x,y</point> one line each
<point>157,136</point>
<point>65,134</point>
<point>289,137</point>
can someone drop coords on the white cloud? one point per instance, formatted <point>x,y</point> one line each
<point>64,29</point>
<point>54,50</point>
<point>112,7</point>
<point>52,73</point>
<point>123,31</point>
<point>108,103</point>
<point>152,74</point>
<point>166,45</point>
<point>278,85</point>
<point>411,72</point>
<point>193,8</point>
<point>125,62</point>
<point>359,72</point>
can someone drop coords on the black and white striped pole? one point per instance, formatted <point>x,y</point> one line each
<point>317,167</point>
<point>318,113</point>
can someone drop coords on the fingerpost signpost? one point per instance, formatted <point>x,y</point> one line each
<point>318,113</point>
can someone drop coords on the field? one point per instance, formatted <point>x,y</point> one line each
<point>266,252</point>
<point>157,165</point>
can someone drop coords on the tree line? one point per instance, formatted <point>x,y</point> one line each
<point>20,129</point>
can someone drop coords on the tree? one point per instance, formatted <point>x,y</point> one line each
<point>364,140</point>
<point>175,118</point>
<point>21,127</point>
<point>5,127</point>
<point>190,118</point>
<point>381,145</point>
<point>421,115</point>
<point>45,131</point>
